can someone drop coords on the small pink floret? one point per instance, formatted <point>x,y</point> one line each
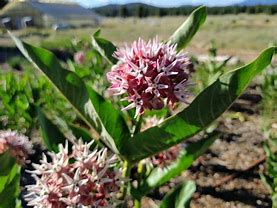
<point>79,57</point>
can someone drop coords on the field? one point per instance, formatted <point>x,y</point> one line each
<point>239,35</point>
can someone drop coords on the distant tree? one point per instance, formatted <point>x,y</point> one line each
<point>142,11</point>
<point>162,12</point>
<point>250,10</point>
<point>139,11</point>
<point>3,3</point>
<point>124,11</point>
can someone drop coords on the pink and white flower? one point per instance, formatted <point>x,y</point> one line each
<point>150,73</point>
<point>166,157</point>
<point>83,178</point>
<point>19,145</point>
<point>79,57</point>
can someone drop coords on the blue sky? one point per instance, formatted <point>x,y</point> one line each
<point>165,3</point>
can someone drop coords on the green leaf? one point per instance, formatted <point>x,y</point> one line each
<point>8,169</point>
<point>160,176</point>
<point>104,47</point>
<point>80,132</point>
<point>73,88</point>
<point>180,196</point>
<point>9,195</point>
<point>85,135</point>
<point>51,134</point>
<point>108,119</point>
<point>7,163</point>
<point>205,108</point>
<point>183,35</point>
<point>97,33</point>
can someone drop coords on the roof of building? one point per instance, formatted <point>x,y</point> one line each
<point>59,9</point>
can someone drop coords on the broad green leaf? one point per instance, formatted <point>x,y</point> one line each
<point>97,33</point>
<point>160,176</point>
<point>108,118</point>
<point>104,47</point>
<point>10,194</point>
<point>4,180</point>
<point>8,169</point>
<point>73,88</point>
<point>180,196</point>
<point>183,35</point>
<point>80,132</point>
<point>51,134</point>
<point>7,163</point>
<point>204,109</point>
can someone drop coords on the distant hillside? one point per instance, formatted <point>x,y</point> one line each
<point>132,9</point>
<point>145,10</point>
<point>129,6</point>
<point>140,10</point>
<point>258,2</point>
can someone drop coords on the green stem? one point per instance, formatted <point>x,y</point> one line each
<point>140,171</point>
<point>137,203</point>
<point>137,125</point>
<point>125,174</point>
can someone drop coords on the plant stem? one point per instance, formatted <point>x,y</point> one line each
<point>137,125</point>
<point>140,171</point>
<point>126,174</point>
<point>137,203</point>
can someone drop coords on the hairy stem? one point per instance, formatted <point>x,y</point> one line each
<point>137,126</point>
<point>137,203</point>
<point>126,174</point>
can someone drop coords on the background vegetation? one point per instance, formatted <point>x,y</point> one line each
<point>144,10</point>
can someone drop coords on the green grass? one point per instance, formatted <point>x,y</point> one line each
<point>242,35</point>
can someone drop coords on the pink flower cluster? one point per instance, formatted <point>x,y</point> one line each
<point>150,73</point>
<point>82,179</point>
<point>18,144</point>
<point>79,57</point>
<point>166,157</point>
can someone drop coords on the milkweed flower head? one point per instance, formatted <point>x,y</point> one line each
<point>79,57</point>
<point>166,157</point>
<point>89,181</point>
<point>150,73</point>
<point>19,145</point>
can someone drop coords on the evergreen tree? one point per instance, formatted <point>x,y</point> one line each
<point>124,11</point>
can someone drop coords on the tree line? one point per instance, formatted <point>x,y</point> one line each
<point>142,10</point>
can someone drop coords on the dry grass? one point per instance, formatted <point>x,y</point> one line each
<point>241,35</point>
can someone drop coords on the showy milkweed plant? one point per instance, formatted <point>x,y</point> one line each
<point>146,77</point>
